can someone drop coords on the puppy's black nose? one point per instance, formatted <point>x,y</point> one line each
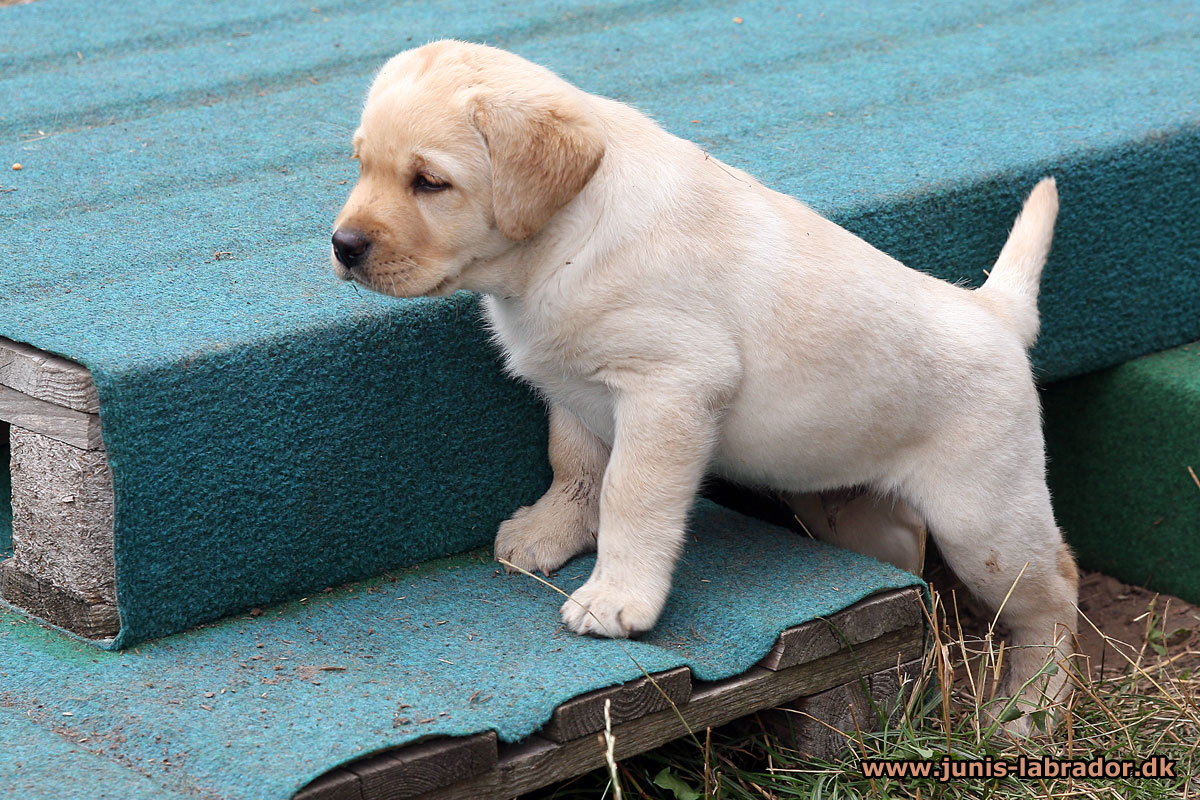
<point>350,246</point>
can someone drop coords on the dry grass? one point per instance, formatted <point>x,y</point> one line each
<point>1143,706</point>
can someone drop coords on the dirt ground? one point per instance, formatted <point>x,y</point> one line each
<point>1135,618</point>
<point>1134,622</point>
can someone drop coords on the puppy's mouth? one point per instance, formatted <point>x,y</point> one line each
<point>444,287</point>
<point>397,284</point>
<point>341,272</point>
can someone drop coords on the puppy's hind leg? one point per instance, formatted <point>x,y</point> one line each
<point>866,522</point>
<point>564,522</point>
<point>995,529</point>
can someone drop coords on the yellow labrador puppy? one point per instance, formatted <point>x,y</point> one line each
<point>679,317</point>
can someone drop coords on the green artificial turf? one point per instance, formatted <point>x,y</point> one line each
<point>1124,447</point>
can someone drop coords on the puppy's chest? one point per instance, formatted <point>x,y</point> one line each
<point>557,366</point>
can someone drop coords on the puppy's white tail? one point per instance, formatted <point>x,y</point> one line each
<point>1011,289</point>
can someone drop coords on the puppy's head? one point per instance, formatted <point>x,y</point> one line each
<point>463,151</point>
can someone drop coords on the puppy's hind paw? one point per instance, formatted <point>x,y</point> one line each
<point>1021,720</point>
<point>613,612</point>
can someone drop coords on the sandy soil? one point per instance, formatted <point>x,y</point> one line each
<point>1133,621</point>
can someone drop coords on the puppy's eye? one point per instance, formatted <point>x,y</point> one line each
<point>428,183</point>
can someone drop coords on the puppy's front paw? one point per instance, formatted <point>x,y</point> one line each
<point>545,536</point>
<point>603,608</point>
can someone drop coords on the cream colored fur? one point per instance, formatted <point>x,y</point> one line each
<point>681,318</point>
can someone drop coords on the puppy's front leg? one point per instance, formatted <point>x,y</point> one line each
<point>660,450</point>
<point>563,523</point>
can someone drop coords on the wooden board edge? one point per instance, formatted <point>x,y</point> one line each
<point>338,784</point>
<point>76,428</point>
<point>45,376</point>
<point>44,600</point>
<point>867,619</point>
<point>824,725</point>
<point>584,714</point>
<point>418,768</point>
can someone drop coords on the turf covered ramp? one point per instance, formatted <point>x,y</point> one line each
<point>254,707</point>
<point>271,432</point>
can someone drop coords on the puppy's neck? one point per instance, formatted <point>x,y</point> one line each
<point>518,269</point>
<point>567,240</point>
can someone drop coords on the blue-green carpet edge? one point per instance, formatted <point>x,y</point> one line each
<point>255,706</point>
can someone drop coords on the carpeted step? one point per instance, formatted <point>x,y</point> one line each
<point>271,432</point>
<point>255,706</point>
<point>1124,447</point>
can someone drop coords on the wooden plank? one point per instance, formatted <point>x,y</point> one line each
<point>414,770</point>
<point>76,428</point>
<point>822,725</point>
<point>819,726</point>
<point>889,683</point>
<point>763,688</point>
<point>340,784</point>
<point>585,714</point>
<point>537,762</point>
<point>45,376</point>
<point>868,619</point>
<point>62,568</point>
<point>62,514</point>
<point>93,619</point>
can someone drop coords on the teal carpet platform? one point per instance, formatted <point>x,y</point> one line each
<point>253,707</point>
<point>272,432</point>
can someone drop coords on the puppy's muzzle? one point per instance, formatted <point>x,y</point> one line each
<point>350,247</point>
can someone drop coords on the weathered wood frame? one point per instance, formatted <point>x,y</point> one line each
<point>62,567</point>
<point>820,676</point>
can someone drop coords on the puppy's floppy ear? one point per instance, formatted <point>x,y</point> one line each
<point>543,149</point>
